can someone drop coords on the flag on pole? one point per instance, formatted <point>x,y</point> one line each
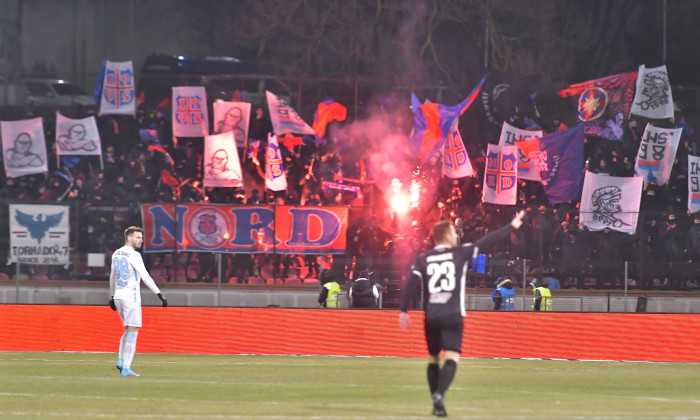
<point>222,166</point>
<point>603,104</point>
<point>653,98</point>
<point>275,178</point>
<point>190,118</point>
<point>77,137</point>
<point>455,160</point>
<point>327,111</point>
<point>611,202</point>
<point>656,153</point>
<point>500,175</point>
<point>693,184</point>
<point>235,117</point>
<point>23,147</point>
<point>509,137</point>
<point>432,122</point>
<point>558,159</point>
<point>117,96</point>
<point>284,118</point>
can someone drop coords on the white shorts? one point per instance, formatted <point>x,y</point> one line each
<point>129,312</point>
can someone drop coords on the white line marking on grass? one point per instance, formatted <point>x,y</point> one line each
<point>203,416</point>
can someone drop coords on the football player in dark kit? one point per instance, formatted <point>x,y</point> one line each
<point>442,273</point>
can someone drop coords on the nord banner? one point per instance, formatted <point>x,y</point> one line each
<point>244,229</point>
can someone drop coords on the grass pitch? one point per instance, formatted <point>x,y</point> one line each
<point>86,385</point>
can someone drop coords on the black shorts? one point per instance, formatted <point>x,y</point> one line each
<point>444,333</point>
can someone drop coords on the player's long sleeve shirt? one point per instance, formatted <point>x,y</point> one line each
<point>441,271</point>
<point>127,273</point>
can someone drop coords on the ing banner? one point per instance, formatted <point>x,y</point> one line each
<point>244,229</point>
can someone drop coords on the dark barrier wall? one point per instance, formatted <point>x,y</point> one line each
<point>649,337</point>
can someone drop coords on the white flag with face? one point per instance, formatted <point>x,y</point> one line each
<point>77,137</point>
<point>653,98</point>
<point>611,202</point>
<point>222,166</point>
<point>511,135</point>
<point>23,147</point>
<point>235,117</point>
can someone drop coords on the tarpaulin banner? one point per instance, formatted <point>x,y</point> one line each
<point>39,234</point>
<point>244,229</point>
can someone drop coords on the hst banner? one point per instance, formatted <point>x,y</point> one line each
<point>244,229</point>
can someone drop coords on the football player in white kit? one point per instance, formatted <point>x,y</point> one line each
<point>125,279</point>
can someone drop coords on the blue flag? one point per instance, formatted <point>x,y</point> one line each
<point>558,158</point>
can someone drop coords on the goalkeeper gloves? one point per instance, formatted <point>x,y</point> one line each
<point>162,299</point>
<point>111,304</point>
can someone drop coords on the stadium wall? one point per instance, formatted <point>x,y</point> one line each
<point>634,337</point>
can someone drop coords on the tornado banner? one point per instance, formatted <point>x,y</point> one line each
<point>244,229</point>
<point>39,234</point>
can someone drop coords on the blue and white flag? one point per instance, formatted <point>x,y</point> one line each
<point>500,175</point>
<point>118,95</point>
<point>275,177</point>
<point>284,118</point>
<point>39,234</point>
<point>611,202</point>
<point>190,116</point>
<point>656,153</point>
<point>455,161</point>
<point>653,98</point>
<point>23,147</point>
<point>693,184</point>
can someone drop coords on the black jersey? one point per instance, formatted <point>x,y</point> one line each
<point>442,272</point>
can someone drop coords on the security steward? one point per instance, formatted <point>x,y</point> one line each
<point>543,296</point>
<point>330,289</point>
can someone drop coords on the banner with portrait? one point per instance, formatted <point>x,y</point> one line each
<point>653,98</point>
<point>611,202</point>
<point>234,117</point>
<point>23,147</point>
<point>221,165</point>
<point>244,229</point>
<point>77,137</point>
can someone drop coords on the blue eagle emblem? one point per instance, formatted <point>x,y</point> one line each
<point>38,225</point>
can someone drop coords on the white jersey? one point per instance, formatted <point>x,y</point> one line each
<point>126,275</point>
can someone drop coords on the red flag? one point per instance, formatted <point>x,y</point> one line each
<point>169,179</point>
<point>141,98</point>
<point>236,96</point>
<point>290,141</point>
<point>328,110</point>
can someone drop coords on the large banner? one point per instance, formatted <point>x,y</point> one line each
<point>693,183</point>
<point>39,234</point>
<point>511,135</point>
<point>23,147</point>
<point>190,117</point>
<point>77,137</point>
<point>653,98</point>
<point>244,229</point>
<point>611,202</point>
<point>234,117</point>
<point>656,153</point>
<point>118,89</point>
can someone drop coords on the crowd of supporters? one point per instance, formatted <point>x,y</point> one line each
<point>141,162</point>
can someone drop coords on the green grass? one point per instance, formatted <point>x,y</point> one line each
<point>86,385</point>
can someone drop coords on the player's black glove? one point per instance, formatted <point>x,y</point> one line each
<point>162,299</point>
<point>111,304</point>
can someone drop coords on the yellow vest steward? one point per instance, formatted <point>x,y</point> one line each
<point>332,300</point>
<point>546,303</point>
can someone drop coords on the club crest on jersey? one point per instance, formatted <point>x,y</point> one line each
<point>209,227</point>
